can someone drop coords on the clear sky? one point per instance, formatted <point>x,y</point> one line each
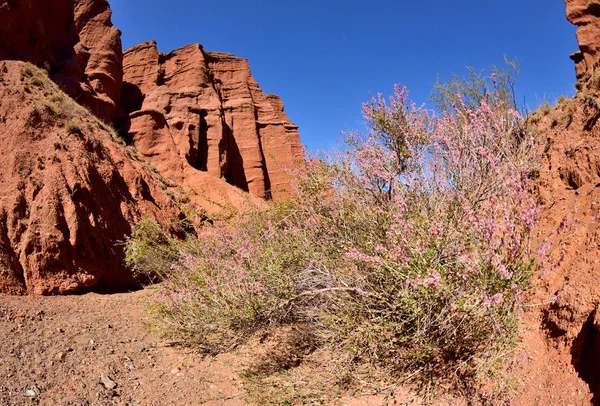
<point>325,58</point>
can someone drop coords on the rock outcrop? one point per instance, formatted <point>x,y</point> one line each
<point>194,113</point>
<point>199,116</point>
<point>99,55</point>
<point>562,335</point>
<point>28,31</point>
<point>69,192</point>
<point>199,124</point>
<point>74,40</point>
<point>585,14</point>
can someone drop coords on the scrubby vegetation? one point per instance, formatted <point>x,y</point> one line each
<point>408,250</point>
<point>58,105</point>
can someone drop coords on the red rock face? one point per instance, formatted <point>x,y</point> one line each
<point>100,56</point>
<point>585,14</point>
<point>26,31</point>
<point>74,40</point>
<point>206,108</point>
<point>68,191</point>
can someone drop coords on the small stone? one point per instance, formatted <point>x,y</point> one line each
<point>30,393</point>
<point>107,382</point>
<point>175,371</point>
<point>60,330</point>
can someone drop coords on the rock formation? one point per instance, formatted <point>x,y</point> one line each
<point>69,192</point>
<point>562,341</point>
<point>99,54</point>
<point>190,112</point>
<point>74,40</point>
<point>206,109</point>
<point>585,14</point>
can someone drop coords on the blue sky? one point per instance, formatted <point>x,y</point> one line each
<point>325,58</point>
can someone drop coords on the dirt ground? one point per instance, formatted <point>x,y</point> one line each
<point>57,350</point>
<point>99,350</point>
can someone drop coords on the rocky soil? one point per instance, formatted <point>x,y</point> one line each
<point>102,350</point>
<point>98,350</point>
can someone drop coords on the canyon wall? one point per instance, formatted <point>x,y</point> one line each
<point>201,133</point>
<point>74,40</point>
<point>585,14</point>
<point>205,111</point>
<point>69,191</point>
<point>560,355</point>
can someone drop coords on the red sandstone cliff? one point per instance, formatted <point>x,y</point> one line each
<point>74,40</point>
<point>194,113</point>
<point>69,192</point>
<point>191,113</point>
<point>560,359</point>
<point>585,14</point>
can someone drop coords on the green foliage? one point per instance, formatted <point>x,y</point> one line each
<point>497,89</point>
<point>152,253</point>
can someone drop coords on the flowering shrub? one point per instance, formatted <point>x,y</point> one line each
<point>409,249</point>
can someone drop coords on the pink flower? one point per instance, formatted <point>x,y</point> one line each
<point>505,273</point>
<point>495,300</point>
<point>434,230</point>
<point>543,249</point>
<point>434,280</point>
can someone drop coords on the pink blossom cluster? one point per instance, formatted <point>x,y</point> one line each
<point>449,193</point>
